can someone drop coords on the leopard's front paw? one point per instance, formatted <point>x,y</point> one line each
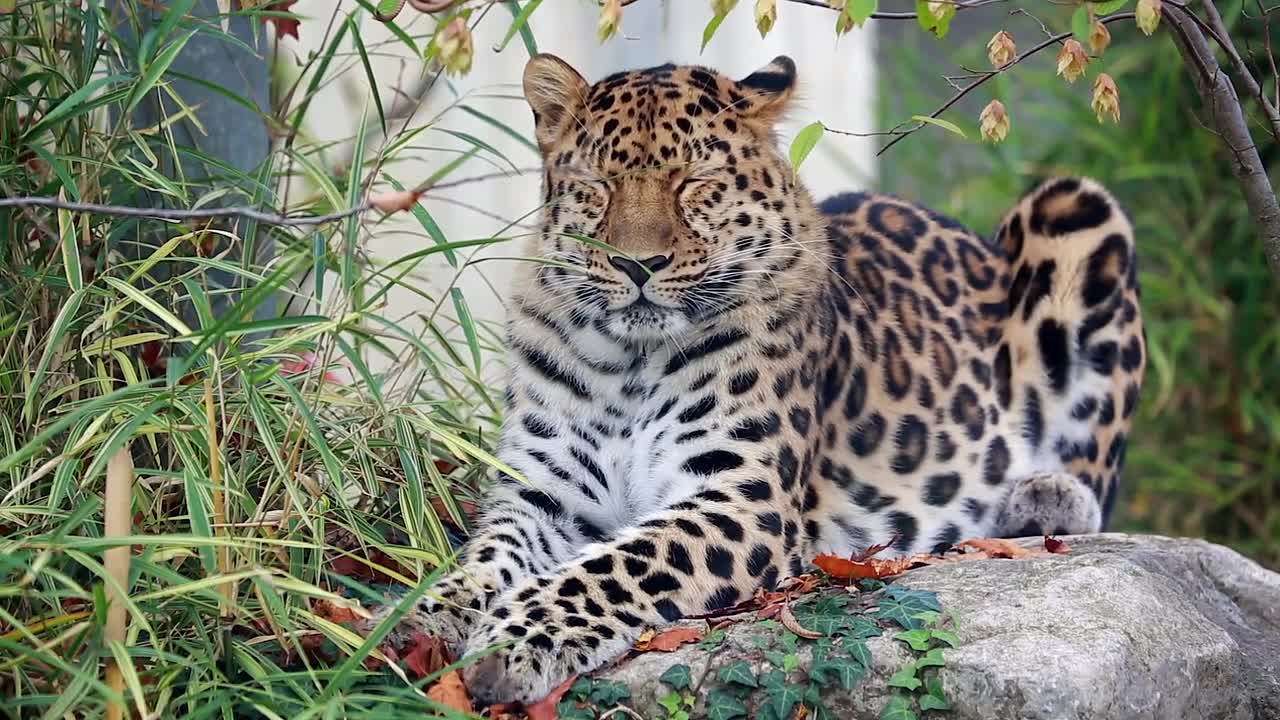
<point>449,611</point>
<point>541,646</point>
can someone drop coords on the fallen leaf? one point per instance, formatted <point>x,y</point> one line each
<point>874,550</point>
<point>1056,546</point>
<point>545,709</point>
<point>789,621</point>
<point>334,612</point>
<point>669,640</point>
<point>450,692</point>
<point>999,548</point>
<point>426,655</point>
<point>845,569</point>
<point>395,201</point>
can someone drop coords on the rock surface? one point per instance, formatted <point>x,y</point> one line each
<point>1125,627</point>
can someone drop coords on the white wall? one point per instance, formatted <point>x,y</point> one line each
<point>837,81</point>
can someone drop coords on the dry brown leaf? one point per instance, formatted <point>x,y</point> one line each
<point>789,621</point>
<point>395,201</point>
<point>450,692</point>
<point>998,548</point>
<point>545,709</point>
<point>333,612</point>
<point>426,655</point>
<point>874,550</point>
<point>669,640</point>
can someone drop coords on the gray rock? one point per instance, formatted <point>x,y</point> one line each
<point>1125,627</point>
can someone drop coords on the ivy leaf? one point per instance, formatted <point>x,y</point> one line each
<point>790,662</point>
<point>933,658</point>
<point>712,641</point>
<point>860,652</point>
<point>571,710</point>
<point>918,640</point>
<point>861,628</point>
<point>803,144</point>
<point>671,703</point>
<point>678,676</point>
<point>581,688</point>
<point>738,673</point>
<point>608,693</point>
<point>781,700</point>
<point>930,702</point>
<point>936,697</point>
<point>773,679</point>
<point>901,605</point>
<point>945,636</point>
<point>905,678</point>
<point>898,708</point>
<point>723,706</point>
<point>928,617</point>
<point>844,670</point>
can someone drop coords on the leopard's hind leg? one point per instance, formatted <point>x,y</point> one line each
<point>1073,353</point>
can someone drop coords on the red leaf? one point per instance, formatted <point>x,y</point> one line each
<point>450,692</point>
<point>844,569</point>
<point>1056,546</point>
<point>545,709</point>
<point>426,655</point>
<point>285,26</point>
<point>669,640</point>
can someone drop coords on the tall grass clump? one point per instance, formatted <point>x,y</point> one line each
<point>158,394</point>
<point>1204,455</point>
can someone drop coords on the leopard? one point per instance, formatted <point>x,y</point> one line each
<point>714,377</point>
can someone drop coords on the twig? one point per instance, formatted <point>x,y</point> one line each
<point>1218,31</point>
<point>1216,91</point>
<point>436,6</point>
<point>1052,40</point>
<point>266,218</point>
<point>180,214</point>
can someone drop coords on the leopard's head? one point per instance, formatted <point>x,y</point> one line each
<point>667,203</point>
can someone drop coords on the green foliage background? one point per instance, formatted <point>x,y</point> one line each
<point>1204,457</point>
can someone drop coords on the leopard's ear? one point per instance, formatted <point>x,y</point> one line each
<point>768,90</point>
<point>557,94</point>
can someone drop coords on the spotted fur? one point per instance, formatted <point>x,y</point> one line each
<point>749,378</point>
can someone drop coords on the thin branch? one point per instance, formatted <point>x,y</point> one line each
<point>266,218</point>
<point>437,6</point>
<point>1220,97</point>
<point>1050,41</point>
<point>1218,30</point>
<point>180,214</point>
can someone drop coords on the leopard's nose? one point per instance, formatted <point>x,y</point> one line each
<point>639,270</point>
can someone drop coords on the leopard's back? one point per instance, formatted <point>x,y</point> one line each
<point>964,367</point>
